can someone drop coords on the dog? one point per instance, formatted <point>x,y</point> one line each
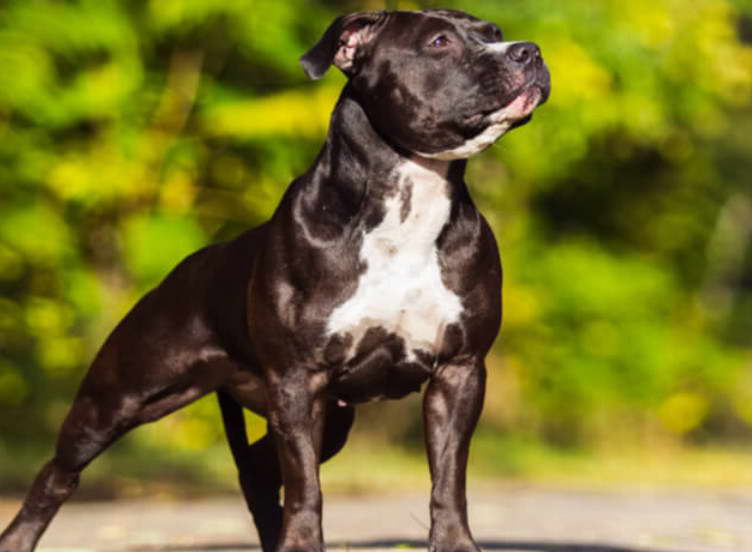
<point>376,274</point>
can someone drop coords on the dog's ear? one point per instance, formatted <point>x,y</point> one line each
<point>342,44</point>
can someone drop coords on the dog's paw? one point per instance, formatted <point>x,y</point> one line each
<point>16,543</point>
<point>302,545</point>
<point>461,544</point>
<point>468,546</point>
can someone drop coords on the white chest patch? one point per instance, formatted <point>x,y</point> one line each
<point>401,289</point>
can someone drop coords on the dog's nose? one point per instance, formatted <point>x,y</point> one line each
<point>524,53</point>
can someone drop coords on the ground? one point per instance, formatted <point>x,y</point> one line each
<point>509,518</point>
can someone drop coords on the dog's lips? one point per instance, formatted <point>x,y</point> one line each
<point>519,107</point>
<point>520,104</point>
<point>533,89</point>
<point>529,99</point>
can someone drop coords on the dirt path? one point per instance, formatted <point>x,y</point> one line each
<point>507,519</point>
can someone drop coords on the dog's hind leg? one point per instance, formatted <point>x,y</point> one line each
<point>148,368</point>
<point>258,472</point>
<point>258,464</point>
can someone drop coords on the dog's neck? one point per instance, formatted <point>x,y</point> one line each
<point>356,169</point>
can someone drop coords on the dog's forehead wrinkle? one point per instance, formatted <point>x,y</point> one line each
<point>467,25</point>
<point>452,14</point>
<point>435,25</point>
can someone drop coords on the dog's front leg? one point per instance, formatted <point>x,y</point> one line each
<point>297,408</point>
<point>451,407</point>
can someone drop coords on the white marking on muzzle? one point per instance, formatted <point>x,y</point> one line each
<point>501,47</point>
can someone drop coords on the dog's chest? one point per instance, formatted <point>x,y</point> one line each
<point>401,303</point>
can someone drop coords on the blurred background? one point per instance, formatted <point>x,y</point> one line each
<point>133,132</point>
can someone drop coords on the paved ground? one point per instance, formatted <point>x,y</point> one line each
<point>509,519</point>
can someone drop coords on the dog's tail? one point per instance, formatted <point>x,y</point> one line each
<point>234,422</point>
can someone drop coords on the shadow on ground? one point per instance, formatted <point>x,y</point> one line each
<point>407,544</point>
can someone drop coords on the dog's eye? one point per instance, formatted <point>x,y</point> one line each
<point>493,33</point>
<point>439,41</point>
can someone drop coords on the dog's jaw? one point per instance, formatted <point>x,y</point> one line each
<point>500,122</point>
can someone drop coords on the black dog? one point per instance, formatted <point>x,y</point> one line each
<point>375,274</point>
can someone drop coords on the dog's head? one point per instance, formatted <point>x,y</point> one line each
<point>439,83</point>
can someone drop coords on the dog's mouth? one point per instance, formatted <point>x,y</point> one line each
<point>519,108</point>
<point>517,111</point>
<point>521,105</point>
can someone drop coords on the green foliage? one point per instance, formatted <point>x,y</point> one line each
<point>607,347</point>
<point>152,242</point>
<point>132,133</point>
